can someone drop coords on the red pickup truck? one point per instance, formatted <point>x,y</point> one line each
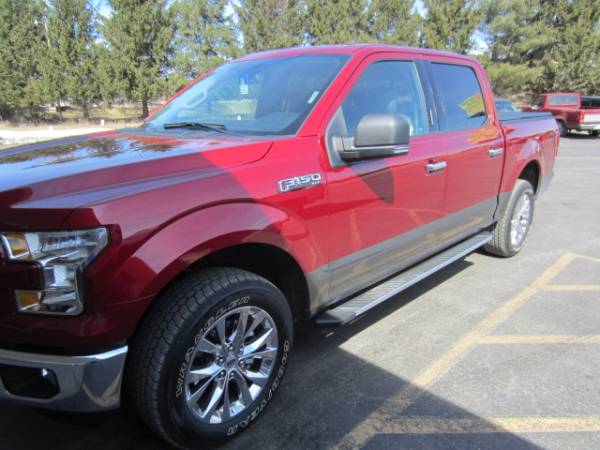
<point>171,262</point>
<point>571,110</point>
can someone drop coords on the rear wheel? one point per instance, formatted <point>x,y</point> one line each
<point>562,129</point>
<point>595,133</point>
<point>209,356</point>
<point>511,231</point>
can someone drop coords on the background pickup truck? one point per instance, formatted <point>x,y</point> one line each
<point>172,261</point>
<point>571,111</point>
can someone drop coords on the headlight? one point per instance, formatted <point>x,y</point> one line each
<point>62,255</point>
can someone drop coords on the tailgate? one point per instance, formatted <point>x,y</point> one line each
<point>589,115</point>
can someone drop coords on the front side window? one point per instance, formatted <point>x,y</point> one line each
<point>258,97</point>
<point>385,87</point>
<point>459,96</point>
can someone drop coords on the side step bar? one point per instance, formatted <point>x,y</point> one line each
<point>355,306</point>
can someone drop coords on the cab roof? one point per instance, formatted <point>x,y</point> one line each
<point>349,49</point>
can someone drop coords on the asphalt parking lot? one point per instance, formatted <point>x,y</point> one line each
<point>489,353</point>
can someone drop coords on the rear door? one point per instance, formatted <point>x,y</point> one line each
<point>384,213</point>
<point>474,145</point>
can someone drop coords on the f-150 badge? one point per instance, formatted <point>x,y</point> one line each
<point>301,182</point>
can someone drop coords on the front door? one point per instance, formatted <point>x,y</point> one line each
<point>384,213</point>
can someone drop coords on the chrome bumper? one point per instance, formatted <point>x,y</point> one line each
<point>83,383</point>
<point>589,127</point>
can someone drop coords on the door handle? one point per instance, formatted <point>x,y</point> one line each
<point>494,152</point>
<point>436,167</point>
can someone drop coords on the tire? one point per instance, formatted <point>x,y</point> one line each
<point>181,332</point>
<point>562,129</point>
<point>510,232</point>
<point>595,133</point>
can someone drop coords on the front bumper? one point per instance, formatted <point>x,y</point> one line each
<point>87,383</point>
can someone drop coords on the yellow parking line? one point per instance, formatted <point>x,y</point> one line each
<point>439,425</point>
<point>571,287</point>
<point>589,258</point>
<point>437,369</point>
<point>540,339</point>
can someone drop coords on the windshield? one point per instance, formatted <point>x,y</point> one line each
<point>262,96</point>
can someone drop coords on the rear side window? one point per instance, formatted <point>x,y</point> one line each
<point>563,100</point>
<point>459,96</point>
<point>389,87</point>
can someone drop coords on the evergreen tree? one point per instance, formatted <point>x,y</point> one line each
<point>204,38</point>
<point>336,21</point>
<point>139,36</point>
<point>542,45</point>
<point>22,43</point>
<point>575,61</point>
<point>450,24</point>
<point>68,65</point>
<point>393,22</point>
<point>269,24</point>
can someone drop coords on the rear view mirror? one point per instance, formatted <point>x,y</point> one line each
<point>377,136</point>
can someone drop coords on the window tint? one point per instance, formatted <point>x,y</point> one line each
<point>563,100</point>
<point>460,97</point>
<point>590,102</point>
<point>386,87</point>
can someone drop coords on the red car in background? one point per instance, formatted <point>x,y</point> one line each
<point>572,111</point>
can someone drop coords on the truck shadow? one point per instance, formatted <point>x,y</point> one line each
<point>327,393</point>
<point>580,136</point>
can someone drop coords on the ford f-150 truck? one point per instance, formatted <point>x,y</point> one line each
<point>571,111</point>
<point>168,264</point>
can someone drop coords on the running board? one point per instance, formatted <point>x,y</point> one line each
<point>354,307</point>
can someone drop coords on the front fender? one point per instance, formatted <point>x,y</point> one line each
<point>190,238</point>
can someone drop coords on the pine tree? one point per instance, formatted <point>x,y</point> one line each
<point>22,43</point>
<point>542,45</point>
<point>205,36</point>
<point>450,24</point>
<point>393,22</point>
<point>575,64</point>
<point>336,21</point>
<point>139,36</point>
<point>68,64</point>
<point>269,24</point>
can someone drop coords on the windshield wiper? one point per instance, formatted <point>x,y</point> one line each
<point>217,127</point>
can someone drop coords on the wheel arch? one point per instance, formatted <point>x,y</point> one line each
<point>254,237</point>
<point>532,173</point>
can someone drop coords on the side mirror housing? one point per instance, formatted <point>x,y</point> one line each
<point>377,136</point>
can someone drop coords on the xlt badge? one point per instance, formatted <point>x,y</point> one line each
<point>301,182</point>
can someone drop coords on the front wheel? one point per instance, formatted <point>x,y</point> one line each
<point>209,356</point>
<point>510,232</point>
<point>594,133</point>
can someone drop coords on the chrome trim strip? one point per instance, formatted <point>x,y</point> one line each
<point>86,383</point>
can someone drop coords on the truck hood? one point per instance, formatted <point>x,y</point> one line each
<point>65,174</point>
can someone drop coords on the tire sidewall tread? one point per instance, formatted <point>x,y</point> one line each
<point>169,329</point>
<point>500,244</point>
